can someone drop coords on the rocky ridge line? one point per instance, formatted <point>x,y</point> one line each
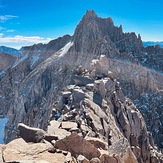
<point>91,122</point>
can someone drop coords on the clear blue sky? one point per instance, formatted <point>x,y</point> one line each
<point>24,22</point>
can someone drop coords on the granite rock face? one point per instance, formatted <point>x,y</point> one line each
<point>87,75</point>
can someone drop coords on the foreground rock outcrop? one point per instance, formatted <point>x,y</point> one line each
<point>90,122</point>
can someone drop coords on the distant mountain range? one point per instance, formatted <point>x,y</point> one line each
<point>152,43</point>
<point>16,52</point>
<point>9,50</point>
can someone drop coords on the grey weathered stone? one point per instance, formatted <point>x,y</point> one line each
<point>81,81</point>
<point>75,129</point>
<point>50,138</point>
<point>54,124</point>
<point>90,87</point>
<point>66,94</point>
<point>105,158</point>
<point>33,89</point>
<point>78,95</point>
<point>136,150</point>
<point>68,125</point>
<point>58,132</point>
<point>30,134</point>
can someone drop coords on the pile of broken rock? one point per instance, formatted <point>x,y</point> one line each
<point>60,144</point>
<point>91,122</point>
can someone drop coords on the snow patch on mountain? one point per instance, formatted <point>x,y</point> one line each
<point>20,60</point>
<point>1,73</point>
<point>35,59</point>
<point>65,49</point>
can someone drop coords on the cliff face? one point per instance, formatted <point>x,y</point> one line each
<point>13,77</point>
<point>32,85</point>
<point>150,105</point>
<point>30,92</point>
<point>153,57</point>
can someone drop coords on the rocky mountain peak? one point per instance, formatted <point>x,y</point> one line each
<point>94,34</point>
<point>90,14</point>
<point>92,23</point>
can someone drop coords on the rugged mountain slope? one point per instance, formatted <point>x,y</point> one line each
<point>7,61</point>
<point>91,121</point>
<point>31,57</point>
<point>31,86</point>
<point>34,95</point>
<point>39,52</point>
<point>14,52</point>
<point>151,106</point>
<point>94,37</point>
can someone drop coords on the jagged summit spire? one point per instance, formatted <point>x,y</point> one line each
<point>90,14</point>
